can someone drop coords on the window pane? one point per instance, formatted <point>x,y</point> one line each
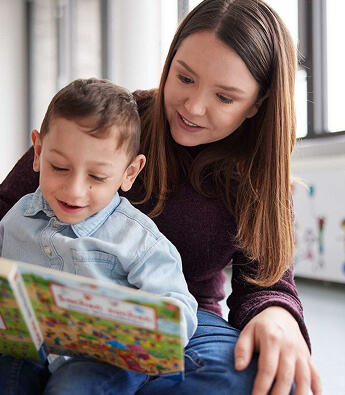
<point>43,59</point>
<point>335,65</point>
<point>136,43</point>
<point>193,3</point>
<point>87,51</point>
<point>288,11</point>
<point>66,44</point>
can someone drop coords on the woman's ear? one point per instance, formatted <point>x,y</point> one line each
<point>256,106</point>
<point>36,141</point>
<point>132,171</point>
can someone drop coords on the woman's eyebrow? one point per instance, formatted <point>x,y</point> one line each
<point>185,65</point>
<point>231,89</point>
<point>224,87</point>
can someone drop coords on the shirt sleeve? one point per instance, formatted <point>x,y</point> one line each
<point>247,300</point>
<point>20,181</point>
<point>160,271</point>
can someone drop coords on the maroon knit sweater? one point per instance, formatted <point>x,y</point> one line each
<point>201,229</point>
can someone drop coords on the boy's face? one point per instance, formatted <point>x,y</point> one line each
<point>79,173</point>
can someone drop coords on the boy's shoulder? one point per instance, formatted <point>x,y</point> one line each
<point>134,216</point>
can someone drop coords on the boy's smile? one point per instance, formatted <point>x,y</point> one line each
<point>79,173</point>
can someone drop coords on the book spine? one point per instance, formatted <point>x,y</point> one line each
<point>19,290</point>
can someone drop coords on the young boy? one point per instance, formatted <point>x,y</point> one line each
<point>76,221</point>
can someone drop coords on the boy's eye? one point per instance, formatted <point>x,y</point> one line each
<point>100,179</point>
<point>184,79</point>
<point>224,99</point>
<point>56,168</point>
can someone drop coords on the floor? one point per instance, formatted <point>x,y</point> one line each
<point>324,311</point>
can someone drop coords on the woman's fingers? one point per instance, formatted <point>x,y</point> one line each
<point>285,375</point>
<point>269,352</point>
<point>284,357</point>
<point>302,378</point>
<point>316,386</point>
<point>244,348</point>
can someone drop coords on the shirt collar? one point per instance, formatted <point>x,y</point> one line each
<point>81,229</point>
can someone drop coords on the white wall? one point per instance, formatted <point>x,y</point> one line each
<point>13,106</point>
<point>320,211</point>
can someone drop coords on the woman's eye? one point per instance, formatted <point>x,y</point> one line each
<point>100,179</point>
<point>56,168</point>
<point>224,99</point>
<point>184,79</point>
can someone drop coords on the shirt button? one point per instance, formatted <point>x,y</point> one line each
<point>48,250</point>
<point>56,224</point>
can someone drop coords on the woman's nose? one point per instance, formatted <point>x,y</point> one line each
<point>196,104</point>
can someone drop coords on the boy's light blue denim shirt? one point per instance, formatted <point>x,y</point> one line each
<point>119,243</point>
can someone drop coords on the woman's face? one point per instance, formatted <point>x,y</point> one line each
<point>209,91</point>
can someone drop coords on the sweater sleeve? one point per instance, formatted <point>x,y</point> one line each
<point>20,181</point>
<point>247,300</point>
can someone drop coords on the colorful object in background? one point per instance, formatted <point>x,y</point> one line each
<point>321,222</point>
<point>309,241</point>
<point>311,190</point>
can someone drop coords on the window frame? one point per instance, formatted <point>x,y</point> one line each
<point>312,31</point>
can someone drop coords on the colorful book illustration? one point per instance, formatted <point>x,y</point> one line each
<point>47,311</point>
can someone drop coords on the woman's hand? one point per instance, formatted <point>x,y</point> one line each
<point>284,357</point>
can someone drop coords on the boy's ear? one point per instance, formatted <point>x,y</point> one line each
<point>36,141</point>
<point>132,171</point>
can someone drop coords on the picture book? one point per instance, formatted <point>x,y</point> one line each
<point>45,311</point>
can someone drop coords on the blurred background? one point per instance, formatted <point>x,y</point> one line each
<point>47,43</point>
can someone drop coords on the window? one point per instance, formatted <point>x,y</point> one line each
<point>288,11</point>
<point>127,41</point>
<point>335,11</point>
<point>321,23</point>
<point>64,44</point>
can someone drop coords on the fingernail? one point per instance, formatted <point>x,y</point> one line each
<point>239,363</point>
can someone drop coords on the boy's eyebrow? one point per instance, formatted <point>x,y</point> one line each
<point>226,88</point>
<point>94,163</point>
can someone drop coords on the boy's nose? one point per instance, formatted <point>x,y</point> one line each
<point>75,190</point>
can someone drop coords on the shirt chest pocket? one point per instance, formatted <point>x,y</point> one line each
<point>95,264</point>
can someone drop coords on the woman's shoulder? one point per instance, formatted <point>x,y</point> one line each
<point>19,182</point>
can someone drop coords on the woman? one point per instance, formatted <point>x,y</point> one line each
<point>218,134</point>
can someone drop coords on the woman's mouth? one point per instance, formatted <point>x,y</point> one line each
<point>187,125</point>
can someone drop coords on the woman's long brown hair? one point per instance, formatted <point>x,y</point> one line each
<point>252,165</point>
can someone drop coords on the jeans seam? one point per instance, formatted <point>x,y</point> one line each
<point>14,376</point>
<point>144,382</point>
<point>193,361</point>
<point>106,382</point>
<point>110,379</point>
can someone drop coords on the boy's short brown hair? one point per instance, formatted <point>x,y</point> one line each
<point>102,105</point>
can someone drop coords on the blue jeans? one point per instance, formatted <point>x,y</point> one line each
<point>209,363</point>
<point>209,369</point>
<point>21,377</point>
